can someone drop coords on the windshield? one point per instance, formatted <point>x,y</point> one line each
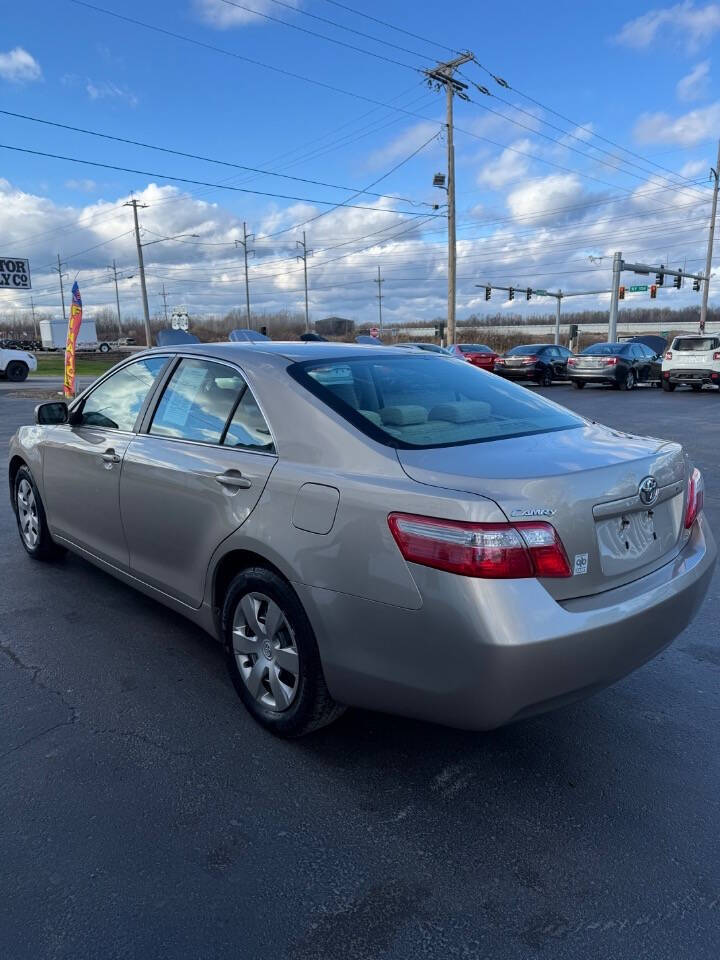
<point>474,348</point>
<point>694,344</point>
<point>428,401</point>
<point>604,349</point>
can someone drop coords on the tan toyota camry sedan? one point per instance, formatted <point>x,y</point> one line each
<point>370,526</point>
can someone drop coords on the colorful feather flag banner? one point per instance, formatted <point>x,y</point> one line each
<point>72,335</point>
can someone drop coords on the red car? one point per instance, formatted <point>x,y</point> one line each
<point>478,354</point>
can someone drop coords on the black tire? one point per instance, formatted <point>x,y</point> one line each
<point>630,381</point>
<point>17,371</point>
<point>44,548</point>
<point>579,384</point>
<point>696,387</point>
<point>546,379</point>
<point>104,348</point>
<point>667,386</point>
<point>311,706</point>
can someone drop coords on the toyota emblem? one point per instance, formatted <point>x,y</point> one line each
<point>648,491</point>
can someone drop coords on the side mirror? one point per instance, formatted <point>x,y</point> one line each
<point>51,413</point>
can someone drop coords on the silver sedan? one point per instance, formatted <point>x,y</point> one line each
<point>371,526</point>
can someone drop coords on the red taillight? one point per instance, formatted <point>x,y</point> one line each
<point>716,355</point>
<point>668,355</point>
<point>532,359</point>
<point>499,361</point>
<point>610,361</point>
<point>488,550</point>
<point>695,498</point>
<point>572,362</point>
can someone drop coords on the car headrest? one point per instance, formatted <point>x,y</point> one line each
<point>461,412</point>
<point>403,416</point>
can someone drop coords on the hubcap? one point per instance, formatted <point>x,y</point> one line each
<point>265,651</point>
<point>27,513</point>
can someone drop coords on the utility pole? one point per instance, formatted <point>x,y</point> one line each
<point>557,317</point>
<point>708,262</point>
<point>62,292</point>
<point>164,297</point>
<point>380,282</point>
<point>303,256</point>
<point>117,297</point>
<point>35,326</point>
<point>141,265</point>
<point>443,75</point>
<point>244,244</point>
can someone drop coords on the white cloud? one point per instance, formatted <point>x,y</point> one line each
<point>694,85</point>
<point>693,168</point>
<point>83,186</point>
<point>691,25</point>
<point>404,144</point>
<point>540,198</point>
<point>685,131</point>
<point>225,15</point>
<point>19,66</point>
<point>108,90</point>
<point>508,166</point>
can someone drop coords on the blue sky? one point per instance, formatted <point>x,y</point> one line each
<point>537,194</point>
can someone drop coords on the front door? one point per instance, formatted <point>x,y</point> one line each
<point>194,477</point>
<point>82,462</point>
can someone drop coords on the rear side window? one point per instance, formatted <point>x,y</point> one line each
<point>117,401</point>
<point>197,401</point>
<point>428,401</point>
<point>695,344</point>
<point>248,428</point>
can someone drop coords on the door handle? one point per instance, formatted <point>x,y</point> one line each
<point>233,479</point>
<point>110,456</point>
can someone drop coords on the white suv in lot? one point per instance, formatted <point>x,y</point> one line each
<point>16,364</point>
<point>693,360</point>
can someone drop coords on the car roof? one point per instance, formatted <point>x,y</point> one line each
<point>291,350</point>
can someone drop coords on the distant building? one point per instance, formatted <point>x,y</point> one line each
<point>334,326</point>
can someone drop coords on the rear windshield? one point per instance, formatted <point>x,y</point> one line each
<point>474,348</point>
<point>428,401</point>
<point>605,349</point>
<point>695,344</point>
<point>525,351</point>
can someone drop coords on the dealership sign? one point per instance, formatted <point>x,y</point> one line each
<point>14,273</point>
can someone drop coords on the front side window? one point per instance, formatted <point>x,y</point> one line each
<point>428,401</point>
<point>197,401</point>
<point>117,401</point>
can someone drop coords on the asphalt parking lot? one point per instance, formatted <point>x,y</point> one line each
<point>143,814</point>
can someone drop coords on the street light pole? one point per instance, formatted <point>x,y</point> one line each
<point>615,296</point>
<point>708,262</point>
<point>557,317</point>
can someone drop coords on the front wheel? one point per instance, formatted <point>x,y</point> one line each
<point>31,519</point>
<point>16,371</point>
<point>272,655</point>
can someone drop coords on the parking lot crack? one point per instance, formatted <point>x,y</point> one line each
<point>34,674</point>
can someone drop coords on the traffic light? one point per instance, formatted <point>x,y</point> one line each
<point>696,286</point>
<point>677,281</point>
<point>528,293</point>
<point>621,293</point>
<point>660,277</point>
<point>488,292</point>
<point>653,291</point>
<point>511,293</point>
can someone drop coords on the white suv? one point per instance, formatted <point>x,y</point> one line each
<point>692,361</point>
<point>16,364</point>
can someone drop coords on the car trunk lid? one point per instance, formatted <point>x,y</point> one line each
<point>586,483</point>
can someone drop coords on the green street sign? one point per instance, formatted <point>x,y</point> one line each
<point>638,288</point>
<point>540,293</point>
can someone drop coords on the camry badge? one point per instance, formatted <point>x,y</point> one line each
<point>533,512</point>
<point>648,491</point>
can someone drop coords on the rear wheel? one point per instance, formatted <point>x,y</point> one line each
<point>546,379</point>
<point>697,387</point>
<point>104,348</point>
<point>31,519</point>
<point>667,386</point>
<point>272,655</point>
<point>629,381</point>
<point>578,384</point>
<point>16,371</point>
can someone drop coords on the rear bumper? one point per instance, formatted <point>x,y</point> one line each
<point>519,373</point>
<point>691,376</point>
<point>594,376</point>
<point>479,654</point>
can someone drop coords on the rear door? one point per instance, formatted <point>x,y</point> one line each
<point>82,461</point>
<point>193,475</point>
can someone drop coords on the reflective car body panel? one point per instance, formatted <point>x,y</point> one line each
<point>254,467</point>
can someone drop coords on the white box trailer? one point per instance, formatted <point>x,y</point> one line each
<point>53,336</point>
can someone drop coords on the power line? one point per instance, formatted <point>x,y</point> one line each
<point>204,183</point>
<point>384,23</point>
